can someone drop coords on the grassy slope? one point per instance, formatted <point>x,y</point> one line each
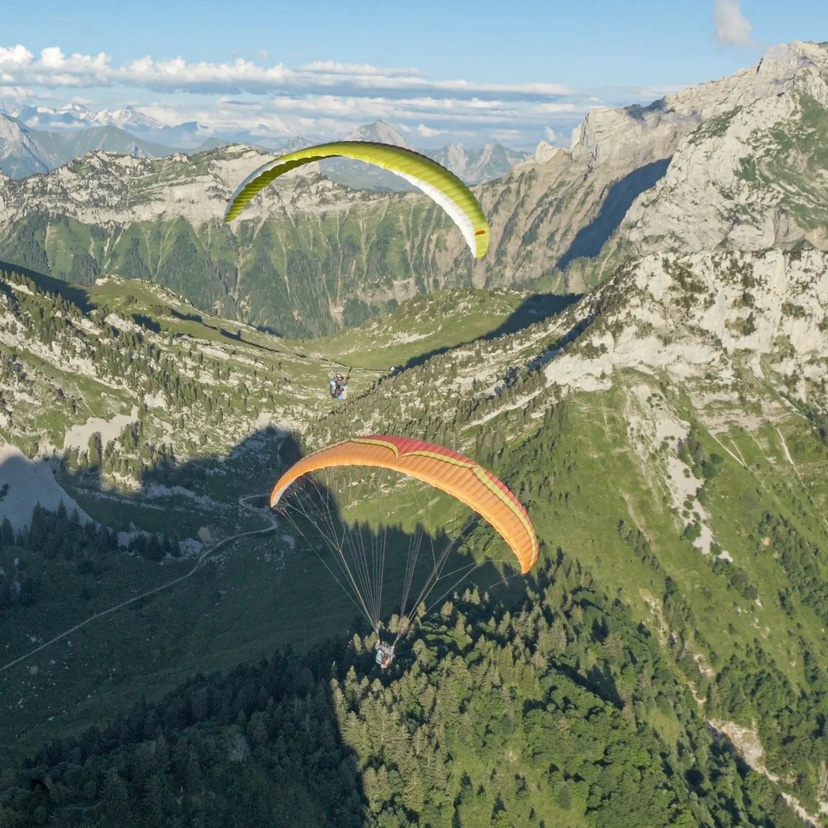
<point>597,473</point>
<point>227,612</point>
<point>610,482</point>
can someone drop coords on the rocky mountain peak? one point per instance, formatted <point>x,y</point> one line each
<point>643,134</point>
<point>18,153</point>
<point>751,177</point>
<point>379,131</point>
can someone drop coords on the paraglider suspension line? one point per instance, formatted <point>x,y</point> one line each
<point>439,563</point>
<point>365,593</point>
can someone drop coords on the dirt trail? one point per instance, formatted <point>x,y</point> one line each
<point>799,478</point>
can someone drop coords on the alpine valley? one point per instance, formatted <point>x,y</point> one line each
<point>641,356</point>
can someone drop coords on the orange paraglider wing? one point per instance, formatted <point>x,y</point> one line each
<point>440,467</point>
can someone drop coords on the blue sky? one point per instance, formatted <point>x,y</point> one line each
<point>516,70</point>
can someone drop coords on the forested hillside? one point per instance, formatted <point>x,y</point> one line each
<point>558,710</point>
<point>686,505</point>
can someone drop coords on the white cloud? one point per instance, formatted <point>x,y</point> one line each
<point>324,99</point>
<point>242,76</point>
<point>428,132</point>
<point>555,108</point>
<point>52,58</point>
<point>16,94</point>
<point>731,25</point>
<point>333,68</point>
<point>53,69</point>
<point>15,56</point>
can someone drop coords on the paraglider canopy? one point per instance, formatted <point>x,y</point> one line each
<point>427,175</point>
<point>358,554</point>
<point>448,470</point>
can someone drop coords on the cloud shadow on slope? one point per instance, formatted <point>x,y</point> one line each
<point>589,240</point>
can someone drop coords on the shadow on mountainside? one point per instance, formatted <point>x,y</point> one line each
<point>72,293</point>
<point>590,239</point>
<point>266,589</point>
<point>533,309</point>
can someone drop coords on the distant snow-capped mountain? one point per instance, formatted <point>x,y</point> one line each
<point>35,139</point>
<point>25,151</point>
<point>75,116</point>
<point>379,131</point>
<point>474,166</point>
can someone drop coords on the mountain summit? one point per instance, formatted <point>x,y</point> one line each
<point>381,132</point>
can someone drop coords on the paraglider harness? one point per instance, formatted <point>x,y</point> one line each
<point>338,385</point>
<point>385,654</point>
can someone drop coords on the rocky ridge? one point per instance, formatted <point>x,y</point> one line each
<point>731,163</point>
<point>754,176</point>
<point>667,176</point>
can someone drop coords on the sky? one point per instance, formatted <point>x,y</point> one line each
<point>517,71</point>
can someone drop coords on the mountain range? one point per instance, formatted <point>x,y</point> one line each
<point>39,139</point>
<point>641,357</point>
<point>733,162</point>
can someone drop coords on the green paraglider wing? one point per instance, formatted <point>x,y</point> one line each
<point>434,180</point>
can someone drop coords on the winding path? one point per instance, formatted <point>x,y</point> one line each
<point>799,478</point>
<point>207,553</point>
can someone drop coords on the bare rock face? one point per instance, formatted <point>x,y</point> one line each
<point>105,188</point>
<point>736,163</point>
<point>678,174</point>
<point>545,152</point>
<point>751,177</point>
<point>707,320</point>
<point>642,134</point>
